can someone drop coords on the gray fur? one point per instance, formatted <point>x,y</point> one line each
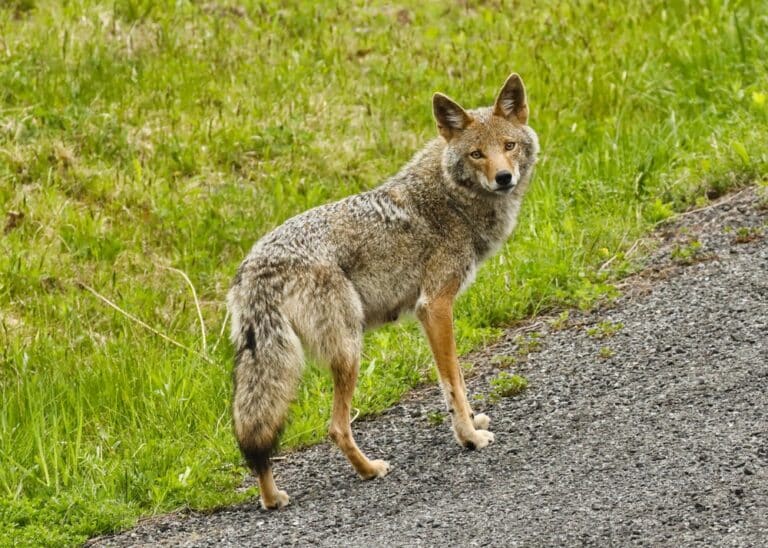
<point>324,276</point>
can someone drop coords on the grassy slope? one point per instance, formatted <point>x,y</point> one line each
<point>145,134</point>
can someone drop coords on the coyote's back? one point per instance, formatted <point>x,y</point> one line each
<point>411,245</point>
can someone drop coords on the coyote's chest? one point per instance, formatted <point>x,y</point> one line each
<point>492,229</point>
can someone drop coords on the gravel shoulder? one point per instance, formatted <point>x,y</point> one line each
<point>645,423</point>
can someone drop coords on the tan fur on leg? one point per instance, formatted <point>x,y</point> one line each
<point>437,318</point>
<point>344,378</point>
<point>271,497</point>
<point>482,421</point>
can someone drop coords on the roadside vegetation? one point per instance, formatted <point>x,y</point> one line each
<point>144,147</point>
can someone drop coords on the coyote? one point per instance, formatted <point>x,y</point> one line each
<point>410,245</point>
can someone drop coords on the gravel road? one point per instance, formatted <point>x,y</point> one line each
<point>645,423</point>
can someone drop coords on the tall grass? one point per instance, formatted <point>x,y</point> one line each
<point>139,135</point>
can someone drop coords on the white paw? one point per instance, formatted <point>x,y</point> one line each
<point>482,421</point>
<point>280,500</point>
<point>379,469</point>
<point>476,439</point>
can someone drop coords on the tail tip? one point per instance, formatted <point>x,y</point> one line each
<point>258,458</point>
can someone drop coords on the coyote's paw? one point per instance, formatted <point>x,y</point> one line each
<point>378,469</point>
<point>482,421</point>
<point>476,439</point>
<point>280,500</point>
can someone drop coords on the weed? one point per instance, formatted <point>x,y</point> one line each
<point>504,361</point>
<point>605,329</point>
<point>527,344</point>
<point>605,353</point>
<point>687,254</point>
<point>657,211</point>
<point>435,418</point>
<point>505,385</point>
<point>746,234</point>
<point>561,322</point>
<point>762,194</point>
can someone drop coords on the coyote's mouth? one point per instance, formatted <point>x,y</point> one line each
<point>505,189</point>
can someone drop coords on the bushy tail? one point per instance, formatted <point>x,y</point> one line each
<point>268,365</point>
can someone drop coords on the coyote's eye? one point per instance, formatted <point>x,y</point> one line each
<point>476,154</point>
<point>511,145</point>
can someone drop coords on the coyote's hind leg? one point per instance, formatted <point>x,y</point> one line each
<point>271,497</point>
<point>344,373</point>
<point>330,321</point>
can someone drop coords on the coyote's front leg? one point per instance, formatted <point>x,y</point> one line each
<point>436,315</point>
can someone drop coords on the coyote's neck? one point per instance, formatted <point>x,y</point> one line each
<point>487,219</point>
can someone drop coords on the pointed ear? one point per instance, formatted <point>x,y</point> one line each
<point>511,103</point>
<point>450,117</point>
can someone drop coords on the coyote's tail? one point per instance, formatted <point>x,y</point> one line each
<point>268,364</point>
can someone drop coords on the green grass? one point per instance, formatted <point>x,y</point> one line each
<point>604,329</point>
<point>505,385</point>
<point>137,134</point>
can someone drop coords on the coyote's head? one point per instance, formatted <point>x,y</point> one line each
<point>489,150</point>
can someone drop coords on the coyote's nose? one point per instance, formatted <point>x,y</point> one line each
<point>503,178</point>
